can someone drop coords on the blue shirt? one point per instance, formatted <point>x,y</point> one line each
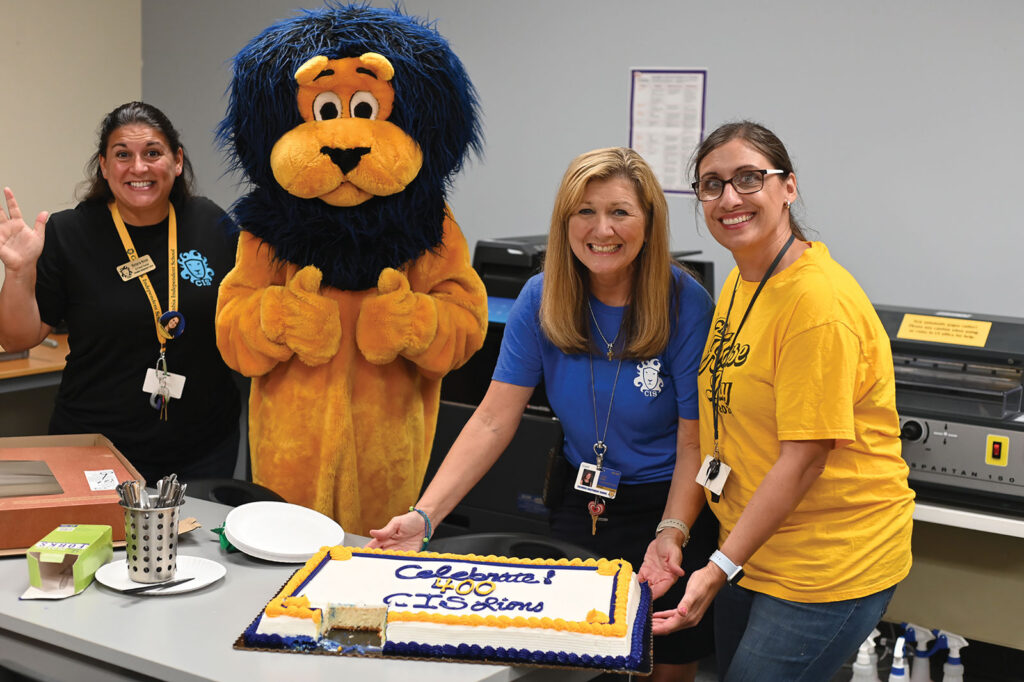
<point>650,396</point>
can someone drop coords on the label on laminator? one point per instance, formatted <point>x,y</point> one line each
<point>944,330</point>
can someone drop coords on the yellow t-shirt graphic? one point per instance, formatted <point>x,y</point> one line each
<point>811,361</point>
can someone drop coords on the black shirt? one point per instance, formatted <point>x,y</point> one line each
<point>113,340</point>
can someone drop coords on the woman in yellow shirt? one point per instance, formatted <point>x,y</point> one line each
<point>800,437</point>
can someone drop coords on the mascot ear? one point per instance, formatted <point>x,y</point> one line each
<point>308,72</point>
<point>379,64</point>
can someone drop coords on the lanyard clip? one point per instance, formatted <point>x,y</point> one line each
<point>162,395</point>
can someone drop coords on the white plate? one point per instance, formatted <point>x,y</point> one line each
<point>202,571</point>
<point>278,531</point>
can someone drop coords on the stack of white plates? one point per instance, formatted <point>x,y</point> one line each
<point>278,531</point>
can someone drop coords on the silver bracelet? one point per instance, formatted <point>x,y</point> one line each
<point>678,525</point>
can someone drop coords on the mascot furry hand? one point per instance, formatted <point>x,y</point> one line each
<point>352,292</point>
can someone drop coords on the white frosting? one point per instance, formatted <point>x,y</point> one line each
<point>288,626</point>
<point>462,589</point>
<point>566,592</point>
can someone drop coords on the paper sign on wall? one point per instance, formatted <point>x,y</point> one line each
<point>666,121</point>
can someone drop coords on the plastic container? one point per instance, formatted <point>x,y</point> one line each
<point>953,668</point>
<point>151,537</point>
<point>898,673</point>
<point>865,668</point>
<point>920,668</point>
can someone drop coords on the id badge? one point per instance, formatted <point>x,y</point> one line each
<point>135,268</point>
<point>712,474</point>
<point>603,482</point>
<point>175,383</point>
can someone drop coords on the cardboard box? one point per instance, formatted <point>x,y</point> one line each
<point>64,562</point>
<point>87,467</point>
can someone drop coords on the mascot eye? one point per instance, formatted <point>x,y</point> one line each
<point>327,105</point>
<point>364,105</point>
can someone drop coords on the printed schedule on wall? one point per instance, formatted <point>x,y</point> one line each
<point>666,121</point>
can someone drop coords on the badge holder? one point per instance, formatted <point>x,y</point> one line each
<point>600,481</point>
<point>712,475</point>
<point>162,385</point>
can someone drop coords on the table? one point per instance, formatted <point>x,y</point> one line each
<point>967,576</point>
<point>41,368</point>
<point>957,517</point>
<point>102,634</point>
<point>28,387</point>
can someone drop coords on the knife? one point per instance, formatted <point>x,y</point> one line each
<point>156,586</point>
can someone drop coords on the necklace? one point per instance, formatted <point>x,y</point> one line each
<point>596,506</point>
<point>611,345</point>
<point>600,448</point>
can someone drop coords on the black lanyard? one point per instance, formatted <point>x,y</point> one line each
<point>717,370</point>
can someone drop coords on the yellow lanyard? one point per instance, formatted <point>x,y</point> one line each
<point>172,269</point>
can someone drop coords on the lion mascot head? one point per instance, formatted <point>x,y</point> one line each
<point>349,123</point>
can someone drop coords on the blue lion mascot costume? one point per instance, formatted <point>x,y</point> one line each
<point>352,293</point>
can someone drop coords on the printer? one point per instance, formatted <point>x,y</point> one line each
<point>960,400</point>
<point>505,264</point>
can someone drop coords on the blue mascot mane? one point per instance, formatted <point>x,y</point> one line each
<point>435,104</point>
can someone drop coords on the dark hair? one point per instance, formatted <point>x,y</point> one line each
<point>95,187</point>
<point>761,139</point>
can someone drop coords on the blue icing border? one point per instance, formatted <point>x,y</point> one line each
<point>300,643</point>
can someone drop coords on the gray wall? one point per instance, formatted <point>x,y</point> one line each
<point>902,117</point>
<point>52,103</point>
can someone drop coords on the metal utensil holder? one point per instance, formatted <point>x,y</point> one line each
<point>151,537</point>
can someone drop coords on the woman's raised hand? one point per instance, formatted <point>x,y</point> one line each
<point>20,245</point>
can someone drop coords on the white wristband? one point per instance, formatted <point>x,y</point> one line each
<point>678,525</point>
<point>732,572</point>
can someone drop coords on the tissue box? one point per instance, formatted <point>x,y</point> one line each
<point>65,561</point>
<point>87,467</point>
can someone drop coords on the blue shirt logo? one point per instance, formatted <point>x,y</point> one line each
<point>195,269</point>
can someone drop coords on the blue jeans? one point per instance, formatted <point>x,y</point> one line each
<point>759,638</point>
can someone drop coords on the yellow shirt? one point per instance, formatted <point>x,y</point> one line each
<point>812,361</point>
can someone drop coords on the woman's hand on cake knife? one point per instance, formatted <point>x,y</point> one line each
<point>662,564</point>
<point>403,532</point>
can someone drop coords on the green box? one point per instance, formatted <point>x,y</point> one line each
<point>65,561</point>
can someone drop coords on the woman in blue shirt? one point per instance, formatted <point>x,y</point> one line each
<point>614,327</point>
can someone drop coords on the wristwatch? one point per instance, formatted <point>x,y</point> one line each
<point>733,573</point>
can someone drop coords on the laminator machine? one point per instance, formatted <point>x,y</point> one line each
<point>959,397</point>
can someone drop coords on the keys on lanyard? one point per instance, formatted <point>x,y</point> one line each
<point>596,508</point>
<point>161,396</point>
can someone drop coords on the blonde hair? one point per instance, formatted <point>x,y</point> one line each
<point>646,324</point>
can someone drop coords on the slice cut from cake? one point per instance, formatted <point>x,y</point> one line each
<point>561,612</point>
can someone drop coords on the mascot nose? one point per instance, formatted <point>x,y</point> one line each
<point>345,159</point>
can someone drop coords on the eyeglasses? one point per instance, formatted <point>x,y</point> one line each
<point>744,182</point>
